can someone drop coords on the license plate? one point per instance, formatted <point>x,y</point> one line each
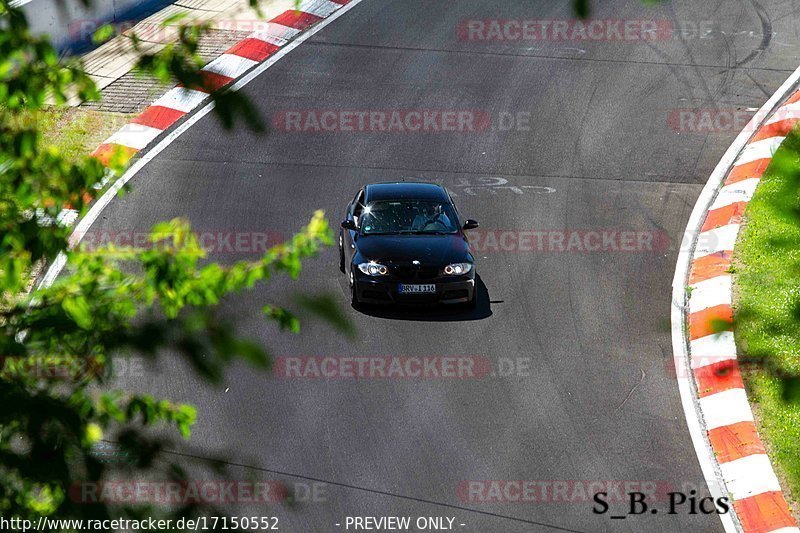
<point>416,289</point>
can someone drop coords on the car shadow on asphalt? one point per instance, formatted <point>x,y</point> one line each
<point>440,313</point>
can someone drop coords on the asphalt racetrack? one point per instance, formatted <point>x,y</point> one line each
<point>577,158</point>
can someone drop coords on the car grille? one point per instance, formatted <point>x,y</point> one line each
<point>416,298</point>
<point>376,295</point>
<point>452,295</point>
<point>411,272</point>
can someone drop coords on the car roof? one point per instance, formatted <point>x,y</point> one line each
<point>405,190</point>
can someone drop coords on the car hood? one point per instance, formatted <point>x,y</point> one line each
<point>436,250</point>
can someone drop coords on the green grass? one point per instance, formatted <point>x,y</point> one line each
<point>76,131</point>
<point>767,310</point>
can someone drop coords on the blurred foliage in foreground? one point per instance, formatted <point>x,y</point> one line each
<point>59,343</point>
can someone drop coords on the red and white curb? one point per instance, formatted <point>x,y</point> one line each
<point>220,72</point>
<point>730,451</point>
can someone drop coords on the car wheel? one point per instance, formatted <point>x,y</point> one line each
<point>341,252</point>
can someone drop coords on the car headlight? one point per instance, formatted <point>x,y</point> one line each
<point>456,269</point>
<point>373,269</point>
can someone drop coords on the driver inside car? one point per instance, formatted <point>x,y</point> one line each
<point>432,214</point>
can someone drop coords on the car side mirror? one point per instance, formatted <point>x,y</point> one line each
<point>470,224</point>
<point>349,224</point>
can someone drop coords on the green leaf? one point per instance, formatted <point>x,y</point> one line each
<point>78,310</point>
<point>93,434</point>
<point>284,318</point>
<point>103,33</point>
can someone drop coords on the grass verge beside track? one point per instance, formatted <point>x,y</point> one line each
<point>75,131</point>
<point>767,311</point>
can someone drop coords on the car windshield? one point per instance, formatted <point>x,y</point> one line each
<point>396,217</point>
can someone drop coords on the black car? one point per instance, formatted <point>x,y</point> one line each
<point>404,243</point>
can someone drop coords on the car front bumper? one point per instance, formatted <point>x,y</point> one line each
<point>385,291</point>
